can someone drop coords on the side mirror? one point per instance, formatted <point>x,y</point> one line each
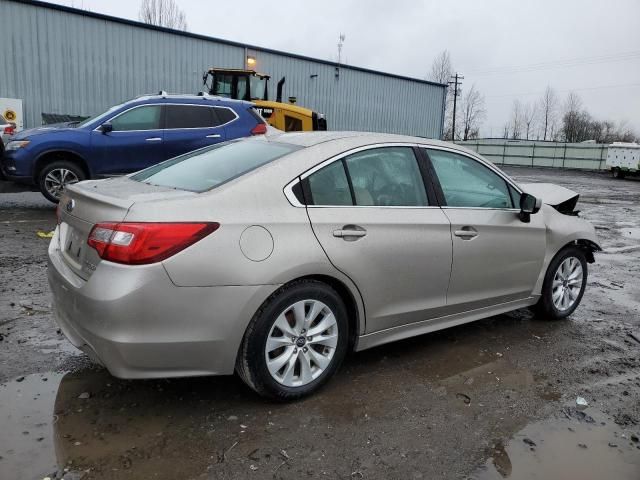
<point>529,205</point>
<point>106,127</point>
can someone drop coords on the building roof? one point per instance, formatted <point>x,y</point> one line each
<point>133,23</point>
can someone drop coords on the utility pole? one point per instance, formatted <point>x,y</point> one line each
<point>456,83</point>
<point>340,44</point>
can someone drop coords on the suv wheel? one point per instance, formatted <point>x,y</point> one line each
<point>55,176</point>
<point>295,342</point>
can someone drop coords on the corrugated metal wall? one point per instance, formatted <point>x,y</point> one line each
<point>62,62</point>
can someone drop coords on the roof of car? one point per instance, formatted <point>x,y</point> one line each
<point>169,97</point>
<point>309,139</point>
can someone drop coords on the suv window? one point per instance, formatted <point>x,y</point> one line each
<point>146,117</point>
<point>466,182</point>
<point>207,168</point>
<point>189,116</point>
<point>329,185</point>
<point>225,115</point>
<point>387,176</point>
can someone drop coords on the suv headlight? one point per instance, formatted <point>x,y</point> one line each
<point>16,144</point>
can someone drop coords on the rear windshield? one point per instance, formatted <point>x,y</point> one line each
<point>207,168</point>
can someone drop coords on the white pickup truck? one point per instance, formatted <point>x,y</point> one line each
<point>623,159</point>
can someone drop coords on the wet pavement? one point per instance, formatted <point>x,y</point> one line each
<point>489,400</point>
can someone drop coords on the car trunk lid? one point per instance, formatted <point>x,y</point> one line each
<point>85,204</point>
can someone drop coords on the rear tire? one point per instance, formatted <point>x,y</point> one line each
<point>617,173</point>
<point>295,342</point>
<point>55,176</point>
<point>564,284</point>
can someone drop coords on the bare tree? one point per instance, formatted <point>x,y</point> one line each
<point>575,120</point>
<point>441,71</point>
<point>473,113</point>
<point>515,123</point>
<point>529,115</point>
<point>548,106</point>
<point>163,13</point>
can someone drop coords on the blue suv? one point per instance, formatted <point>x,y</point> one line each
<point>125,138</point>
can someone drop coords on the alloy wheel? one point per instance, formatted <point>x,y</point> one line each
<point>567,284</point>
<point>301,343</point>
<point>57,179</point>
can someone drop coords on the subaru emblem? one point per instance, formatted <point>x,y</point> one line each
<point>70,205</point>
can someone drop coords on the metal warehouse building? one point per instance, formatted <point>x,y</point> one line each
<point>63,61</point>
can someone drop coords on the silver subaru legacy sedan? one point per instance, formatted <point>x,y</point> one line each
<point>275,256</point>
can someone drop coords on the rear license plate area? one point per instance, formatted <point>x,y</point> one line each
<point>74,245</point>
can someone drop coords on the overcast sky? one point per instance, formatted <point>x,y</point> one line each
<point>591,47</point>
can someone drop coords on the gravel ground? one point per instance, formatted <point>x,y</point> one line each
<point>488,400</point>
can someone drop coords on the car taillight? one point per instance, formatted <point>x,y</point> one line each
<point>143,243</point>
<point>9,130</point>
<point>259,129</point>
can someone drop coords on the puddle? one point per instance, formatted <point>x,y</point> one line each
<point>591,448</point>
<point>26,423</point>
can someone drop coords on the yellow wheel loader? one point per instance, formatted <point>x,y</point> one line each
<point>253,86</point>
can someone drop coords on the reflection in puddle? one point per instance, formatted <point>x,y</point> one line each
<point>583,447</point>
<point>26,438</point>
<point>391,412</point>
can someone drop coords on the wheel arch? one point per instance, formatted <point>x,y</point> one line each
<point>348,294</point>
<point>65,154</point>
<point>355,312</point>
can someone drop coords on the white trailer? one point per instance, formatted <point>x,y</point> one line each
<point>623,159</point>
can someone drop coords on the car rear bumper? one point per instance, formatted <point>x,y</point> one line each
<point>138,324</point>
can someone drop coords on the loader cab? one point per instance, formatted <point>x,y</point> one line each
<point>237,84</point>
<point>252,86</point>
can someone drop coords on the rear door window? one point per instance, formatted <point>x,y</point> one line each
<point>386,177</point>
<point>146,117</point>
<point>189,116</point>
<point>210,167</point>
<point>329,185</point>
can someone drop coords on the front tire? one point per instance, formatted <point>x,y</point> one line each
<point>617,173</point>
<point>55,176</point>
<point>564,284</point>
<point>295,342</point>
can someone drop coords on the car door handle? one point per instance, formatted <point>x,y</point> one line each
<point>154,139</point>
<point>350,232</point>
<point>466,233</point>
<point>213,135</point>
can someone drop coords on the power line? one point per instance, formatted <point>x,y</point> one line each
<point>621,85</point>
<point>572,62</point>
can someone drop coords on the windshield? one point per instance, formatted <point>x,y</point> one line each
<point>90,120</point>
<point>258,86</point>
<point>210,167</point>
